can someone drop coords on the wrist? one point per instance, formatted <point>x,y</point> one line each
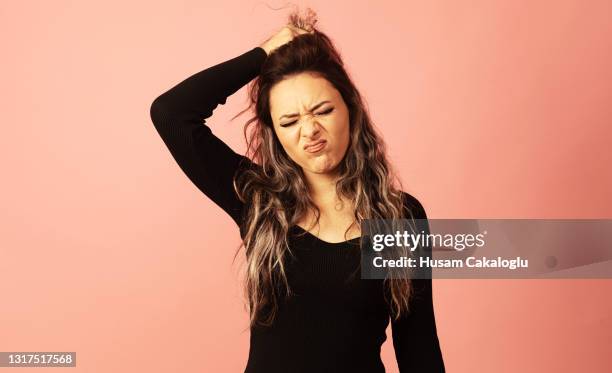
<point>265,48</point>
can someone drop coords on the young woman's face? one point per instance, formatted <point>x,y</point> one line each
<point>311,121</point>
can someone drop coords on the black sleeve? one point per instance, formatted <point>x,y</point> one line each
<point>415,338</point>
<point>179,117</point>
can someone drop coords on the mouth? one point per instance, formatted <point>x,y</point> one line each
<point>315,146</point>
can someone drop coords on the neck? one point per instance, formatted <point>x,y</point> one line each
<point>322,187</point>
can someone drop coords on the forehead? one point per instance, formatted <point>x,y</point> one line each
<point>301,91</point>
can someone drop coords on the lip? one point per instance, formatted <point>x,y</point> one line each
<point>315,146</point>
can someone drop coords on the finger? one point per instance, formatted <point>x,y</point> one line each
<point>294,30</point>
<point>297,30</point>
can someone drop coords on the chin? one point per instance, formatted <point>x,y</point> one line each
<point>323,167</point>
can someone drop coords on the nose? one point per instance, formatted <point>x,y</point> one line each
<point>310,127</point>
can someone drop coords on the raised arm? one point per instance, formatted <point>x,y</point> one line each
<point>415,337</point>
<point>179,117</point>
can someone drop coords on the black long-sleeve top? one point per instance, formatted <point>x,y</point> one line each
<point>335,322</point>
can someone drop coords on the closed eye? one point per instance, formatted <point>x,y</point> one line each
<point>325,112</point>
<point>288,124</point>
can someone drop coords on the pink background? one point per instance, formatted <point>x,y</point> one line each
<point>490,110</point>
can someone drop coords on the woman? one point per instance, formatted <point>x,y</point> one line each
<point>317,169</point>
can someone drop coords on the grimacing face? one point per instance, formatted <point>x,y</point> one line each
<point>307,109</point>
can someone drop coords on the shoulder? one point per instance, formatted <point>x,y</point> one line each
<point>413,206</point>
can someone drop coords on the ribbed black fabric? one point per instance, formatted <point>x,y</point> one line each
<point>336,321</point>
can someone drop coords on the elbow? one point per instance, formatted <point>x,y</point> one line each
<point>157,111</point>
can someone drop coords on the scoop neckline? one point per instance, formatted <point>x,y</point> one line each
<point>327,243</point>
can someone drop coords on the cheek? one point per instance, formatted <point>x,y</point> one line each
<point>289,140</point>
<point>342,132</point>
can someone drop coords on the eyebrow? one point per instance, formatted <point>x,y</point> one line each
<point>311,109</point>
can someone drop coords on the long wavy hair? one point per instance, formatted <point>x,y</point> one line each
<point>276,192</point>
